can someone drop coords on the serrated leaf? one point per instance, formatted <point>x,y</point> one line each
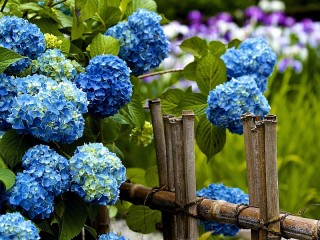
<point>47,26</point>
<point>170,101</point>
<point>210,72</point>
<point>85,9</point>
<point>195,102</point>
<point>7,177</point>
<point>234,43</point>
<point>134,5</point>
<point>77,29</point>
<point>113,16</point>
<point>123,5</point>
<point>151,177</point>
<point>136,175</point>
<point>102,44</point>
<point>65,45</point>
<point>64,20</point>
<point>142,219</point>
<point>196,46</point>
<point>189,71</point>
<point>217,48</point>
<point>8,57</point>
<point>209,138</point>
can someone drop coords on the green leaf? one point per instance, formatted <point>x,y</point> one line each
<point>92,211</point>
<point>151,177</point>
<point>170,101</point>
<point>113,148</point>
<point>47,26</point>
<point>65,45</point>
<point>136,175</point>
<point>234,43</point>
<point>195,102</point>
<point>114,3</point>
<point>205,236</point>
<point>64,20</point>
<point>189,71</point>
<point>77,29</point>
<point>210,72</point>
<point>142,219</point>
<point>134,5</point>
<point>113,16</point>
<point>123,5</point>
<point>91,230</point>
<point>102,44</point>
<point>210,138</point>
<point>8,57</point>
<point>196,46</point>
<point>217,48</point>
<point>85,9</point>
<point>7,177</point>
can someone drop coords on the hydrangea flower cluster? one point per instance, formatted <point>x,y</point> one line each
<point>52,41</point>
<point>143,44</point>
<point>7,93</point>
<point>22,37</point>
<point>142,136</point>
<point>14,226</point>
<point>221,192</point>
<point>228,101</point>
<point>52,63</point>
<point>107,84</point>
<point>96,174</point>
<point>253,57</point>
<point>111,236</point>
<point>46,110</point>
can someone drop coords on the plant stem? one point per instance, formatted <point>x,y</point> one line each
<point>160,73</point>
<point>4,5</point>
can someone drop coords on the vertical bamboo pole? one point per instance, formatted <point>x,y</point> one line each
<point>180,187</point>
<point>190,172</point>
<point>102,223</point>
<point>252,167</point>
<point>272,175</point>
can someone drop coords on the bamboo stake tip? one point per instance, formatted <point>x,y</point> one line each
<point>247,116</point>
<point>187,113</point>
<point>175,120</point>
<point>154,101</point>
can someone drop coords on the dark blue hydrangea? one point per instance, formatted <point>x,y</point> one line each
<point>96,174</point>
<point>14,226</point>
<point>49,168</point>
<point>107,84</point>
<point>22,37</point>
<point>228,101</point>
<point>221,192</point>
<point>28,195</point>
<point>253,57</point>
<point>143,44</point>
<point>48,110</point>
<point>111,236</point>
<point>7,94</point>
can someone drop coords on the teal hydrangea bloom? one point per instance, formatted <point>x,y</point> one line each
<point>221,192</point>
<point>46,110</point>
<point>96,174</point>
<point>143,44</point>
<point>22,37</point>
<point>107,84</point>
<point>52,63</point>
<point>253,57</point>
<point>228,101</point>
<point>7,94</point>
<point>111,236</point>
<point>49,168</point>
<point>14,226</point>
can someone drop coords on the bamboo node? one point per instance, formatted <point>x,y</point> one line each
<point>239,209</point>
<point>149,196</point>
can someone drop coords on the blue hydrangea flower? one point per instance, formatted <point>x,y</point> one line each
<point>28,194</point>
<point>228,101</point>
<point>46,110</point>
<point>49,168</point>
<point>221,192</point>
<point>253,57</point>
<point>22,37</point>
<point>7,94</point>
<point>52,63</point>
<point>107,84</point>
<point>143,44</point>
<point>96,174</point>
<point>111,236</point>
<point>14,226</point>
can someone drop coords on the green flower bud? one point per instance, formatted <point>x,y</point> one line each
<point>142,136</point>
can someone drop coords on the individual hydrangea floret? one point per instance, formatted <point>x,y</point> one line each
<point>44,110</point>
<point>142,136</point>
<point>14,226</point>
<point>143,44</point>
<point>111,236</point>
<point>107,84</point>
<point>253,57</point>
<point>49,168</point>
<point>221,192</point>
<point>52,41</point>
<point>96,174</point>
<point>28,194</point>
<point>52,63</point>
<point>22,37</point>
<point>7,94</point>
<point>228,101</point>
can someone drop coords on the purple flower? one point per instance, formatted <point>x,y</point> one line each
<point>275,18</point>
<point>254,13</point>
<point>288,21</point>
<point>307,25</point>
<point>289,63</point>
<point>195,17</point>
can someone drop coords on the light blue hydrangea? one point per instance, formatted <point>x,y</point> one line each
<point>96,174</point>
<point>111,236</point>
<point>28,194</point>
<point>143,44</point>
<point>7,94</point>
<point>228,101</point>
<point>52,63</point>
<point>221,192</point>
<point>14,226</point>
<point>107,84</point>
<point>22,37</point>
<point>49,168</point>
<point>253,57</point>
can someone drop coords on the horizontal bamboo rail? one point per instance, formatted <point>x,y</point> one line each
<point>220,211</point>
